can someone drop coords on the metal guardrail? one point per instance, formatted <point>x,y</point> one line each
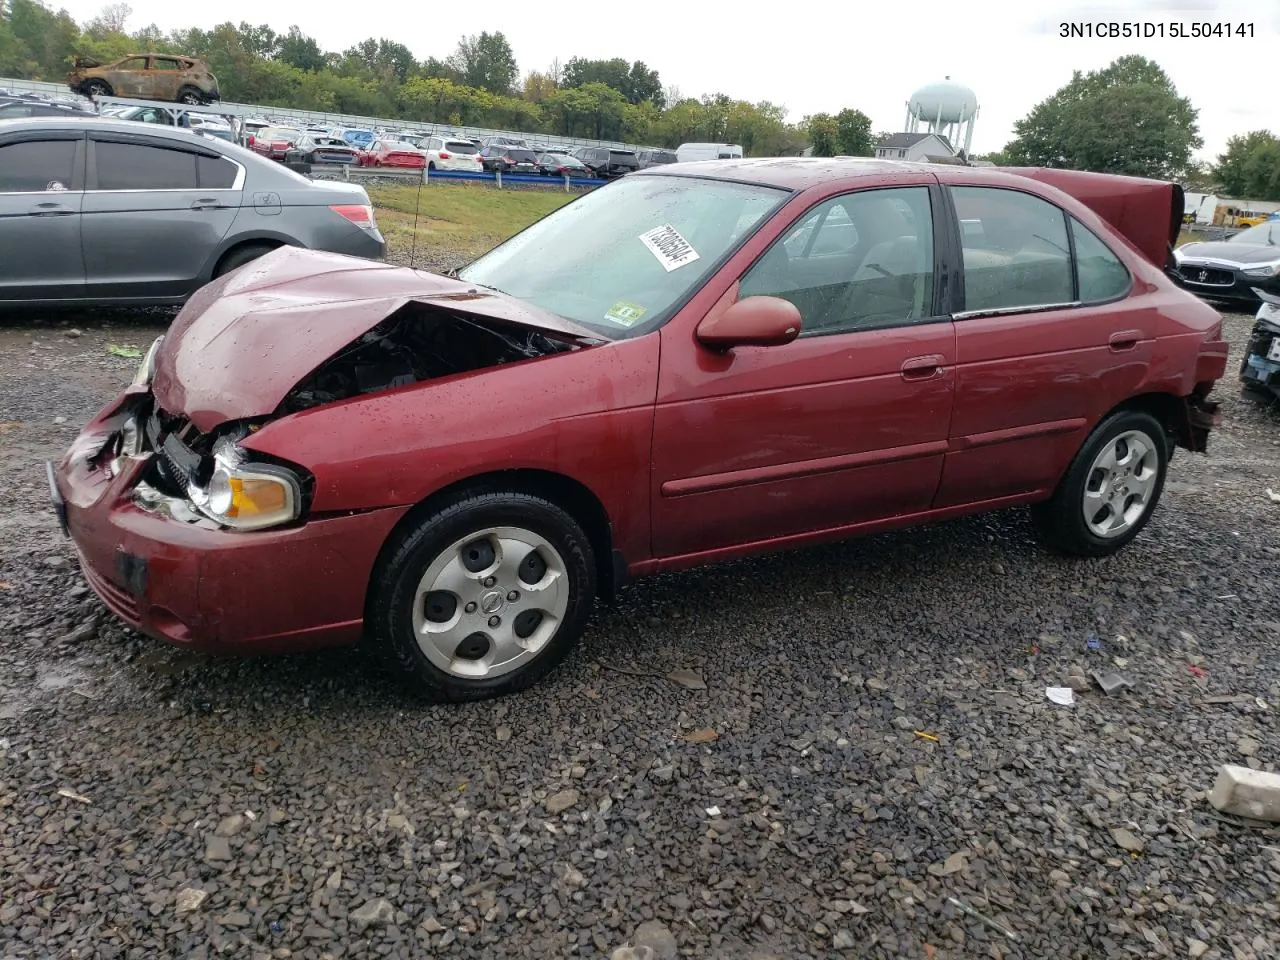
<point>348,171</point>
<point>281,115</point>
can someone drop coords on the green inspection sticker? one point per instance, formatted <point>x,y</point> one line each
<point>625,314</point>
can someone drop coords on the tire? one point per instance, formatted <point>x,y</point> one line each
<point>239,256</point>
<point>191,95</point>
<point>477,653</point>
<point>97,88</point>
<point>1061,521</point>
<point>431,166</point>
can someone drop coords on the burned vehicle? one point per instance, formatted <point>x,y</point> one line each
<point>1260,368</point>
<point>750,355</point>
<point>146,76</point>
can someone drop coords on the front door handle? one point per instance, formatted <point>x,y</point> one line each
<point>922,368</point>
<point>1124,340</point>
<point>50,209</point>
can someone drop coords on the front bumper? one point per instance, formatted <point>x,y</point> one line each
<point>1221,282</point>
<point>225,592</point>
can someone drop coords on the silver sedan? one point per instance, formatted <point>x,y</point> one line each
<point>95,210</point>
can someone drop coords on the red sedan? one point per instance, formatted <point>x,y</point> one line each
<point>274,142</point>
<point>392,153</point>
<point>748,356</point>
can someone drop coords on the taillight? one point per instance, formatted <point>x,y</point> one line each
<point>444,156</point>
<point>280,145</point>
<point>359,214</point>
<point>251,139</point>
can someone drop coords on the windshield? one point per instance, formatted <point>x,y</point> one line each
<point>620,259</point>
<point>1265,233</point>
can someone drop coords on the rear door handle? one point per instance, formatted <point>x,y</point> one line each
<point>208,204</point>
<point>922,368</point>
<point>1125,340</point>
<point>50,209</point>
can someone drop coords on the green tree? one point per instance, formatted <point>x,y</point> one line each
<point>299,50</point>
<point>1250,167</point>
<point>635,81</point>
<point>853,133</point>
<point>486,61</point>
<point>1126,118</point>
<point>823,133</point>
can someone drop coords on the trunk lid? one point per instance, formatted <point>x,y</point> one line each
<point>244,341</point>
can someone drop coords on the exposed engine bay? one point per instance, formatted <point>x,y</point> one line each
<point>418,343</point>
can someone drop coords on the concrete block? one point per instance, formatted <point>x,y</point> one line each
<point>1247,793</point>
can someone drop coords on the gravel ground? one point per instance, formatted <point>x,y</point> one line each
<point>873,740</point>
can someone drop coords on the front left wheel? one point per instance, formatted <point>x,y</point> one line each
<point>485,595</point>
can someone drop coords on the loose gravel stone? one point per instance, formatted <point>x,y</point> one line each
<point>562,801</point>
<point>833,814</point>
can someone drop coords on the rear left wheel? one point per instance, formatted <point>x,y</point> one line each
<point>483,597</point>
<point>1110,490</point>
<point>191,95</point>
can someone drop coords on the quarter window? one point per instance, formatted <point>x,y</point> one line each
<point>1016,252</point>
<point>1101,274</point>
<point>133,166</point>
<point>35,166</point>
<point>856,262</point>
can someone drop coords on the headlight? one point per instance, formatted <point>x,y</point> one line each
<point>147,368</point>
<point>249,496</point>
<point>1263,270</point>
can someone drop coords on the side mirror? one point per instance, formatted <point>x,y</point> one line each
<point>751,322</point>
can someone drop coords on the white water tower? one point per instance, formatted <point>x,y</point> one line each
<point>945,108</point>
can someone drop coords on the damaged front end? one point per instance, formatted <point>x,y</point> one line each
<point>1260,368</point>
<point>206,478</point>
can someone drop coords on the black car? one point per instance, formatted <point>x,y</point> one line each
<point>1233,269</point>
<point>509,159</point>
<point>554,164</point>
<point>605,163</point>
<point>655,158</point>
<point>318,148</point>
<point>16,107</point>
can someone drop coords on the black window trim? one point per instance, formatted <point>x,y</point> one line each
<point>1073,222</point>
<point>79,164</point>
<point>961,313</point>
<point>141,140</point>
<point>941,257</point>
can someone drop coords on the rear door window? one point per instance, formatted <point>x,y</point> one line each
<point>134,166</point>
<point>36,166</point>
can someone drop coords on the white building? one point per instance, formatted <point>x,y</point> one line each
<point>914,147</point>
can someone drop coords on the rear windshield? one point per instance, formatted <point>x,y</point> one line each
<point>522,155</point>
<point>461,146</point>
<point>621,155</point>
<point>280,133</point>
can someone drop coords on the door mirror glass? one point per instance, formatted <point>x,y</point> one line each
<point>751,322</point>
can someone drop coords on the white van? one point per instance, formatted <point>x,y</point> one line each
<point>708,151</point>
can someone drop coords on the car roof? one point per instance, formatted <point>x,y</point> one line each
<point>110,124</point>
<point>801,173</point>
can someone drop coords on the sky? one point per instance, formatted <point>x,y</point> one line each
<point>823,55</point>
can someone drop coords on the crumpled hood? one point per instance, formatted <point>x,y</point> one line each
<point>244,341</point>
<point>1227,252</point>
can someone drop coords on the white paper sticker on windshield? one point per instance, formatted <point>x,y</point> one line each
<point>672,250</point>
